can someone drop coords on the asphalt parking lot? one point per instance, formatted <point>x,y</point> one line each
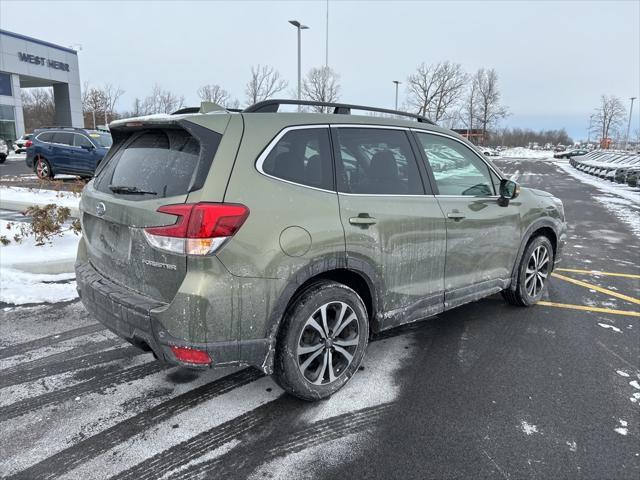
<point>484,391</point>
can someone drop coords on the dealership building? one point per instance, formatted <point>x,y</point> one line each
<point>27,62</point>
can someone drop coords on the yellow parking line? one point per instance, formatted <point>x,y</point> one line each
<point>606,291</point>
<point>597,272</point>
<point>589,309</point>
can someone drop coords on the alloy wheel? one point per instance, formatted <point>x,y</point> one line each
<point>537,270</point>
<point>42,169</point>
<point>327,343</point>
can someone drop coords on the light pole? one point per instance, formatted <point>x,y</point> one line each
<point>397,82</point>
<point>300,27</point>
<point>590,127</point>
<point>626,139</point>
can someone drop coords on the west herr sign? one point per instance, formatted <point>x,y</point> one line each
<point>27,57</point>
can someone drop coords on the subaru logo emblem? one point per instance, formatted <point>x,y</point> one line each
<point>100,209</point>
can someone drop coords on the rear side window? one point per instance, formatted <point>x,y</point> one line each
<point>302,156</point>
<point>160,161</point>
<point>63,138</point>
<point>46,137</point>
<point>377,162</point>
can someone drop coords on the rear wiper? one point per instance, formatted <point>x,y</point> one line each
<point>130,190</point>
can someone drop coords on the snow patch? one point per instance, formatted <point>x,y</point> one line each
<point>37,274</point>
<point>528,428</point>
<point>520,152</point>
<point>606,186</point>
<point>615,329</point>
<point>622,373</point>
<point>635,384</point>
<point>34,196</point>
<point>573,446</point>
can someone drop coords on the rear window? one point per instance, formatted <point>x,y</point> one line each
<point>46,137</point>
<point>160,161</point>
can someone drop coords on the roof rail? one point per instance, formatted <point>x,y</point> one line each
<point>272,106</point>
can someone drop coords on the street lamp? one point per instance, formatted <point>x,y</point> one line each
<point>300,27</point>
<point>397,82</point>
<point>590,127</point>
<point>626,141</point>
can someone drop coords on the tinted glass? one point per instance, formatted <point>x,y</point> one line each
<point>81,141</point>
<point>302,156</point>
<point>457,170</point>
<point>64,138</point>
<point>5,84</point>
<point>377,161</point>
<point>46,137</point>
<point>160,161</point>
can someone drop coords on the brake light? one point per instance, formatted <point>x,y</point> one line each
<point>200,229</point>
<point>191,355</point>
<point>28,143</point>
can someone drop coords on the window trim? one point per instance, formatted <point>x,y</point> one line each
<point>432,177</point>
<point>63,144</point>
<point>271,145</point>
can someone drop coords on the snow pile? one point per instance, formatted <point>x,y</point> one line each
<point>619,189</point>
<point>37,274</point>
<point>24,197</point>
<point>520,152</point>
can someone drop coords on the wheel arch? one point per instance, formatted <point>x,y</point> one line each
<point>544,226</point>
<point>334,270</point>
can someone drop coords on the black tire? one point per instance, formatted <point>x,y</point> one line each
<point>526,293</point>
<point>43,169</point>
<point>296,333</point>
<point>3,158</point>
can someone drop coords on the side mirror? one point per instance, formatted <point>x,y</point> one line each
<point>508,191</point>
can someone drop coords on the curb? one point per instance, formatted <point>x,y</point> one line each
<point>21,206</point>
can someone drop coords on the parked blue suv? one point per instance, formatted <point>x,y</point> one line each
<point>66,150</point>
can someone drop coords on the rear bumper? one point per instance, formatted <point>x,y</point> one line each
<point>131,316</point>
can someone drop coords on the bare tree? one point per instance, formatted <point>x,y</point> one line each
<point>434,90</point>
<point>111,96</point>
<point>93,104</point>
<point>321,85</point>
<point>38,108</point>
<point>264,83</point>
<point>487,100</point>
<point>609,116</point>
<point>215,94</point>
<point>161,101</point>
<point>100,102</point>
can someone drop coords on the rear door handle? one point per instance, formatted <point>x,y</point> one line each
<point>457,216</point>
<point>363,220</point>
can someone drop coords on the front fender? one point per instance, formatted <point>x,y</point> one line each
<point>559,229</point>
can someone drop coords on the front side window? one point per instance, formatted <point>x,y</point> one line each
<point>81,141</point>
<point>376,161</point>
<point>302,156</point>
<point>457,170</point>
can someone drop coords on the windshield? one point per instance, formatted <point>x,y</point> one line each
<point>103,139</point>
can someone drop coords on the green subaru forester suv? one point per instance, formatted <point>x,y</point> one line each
<point>285,240</point>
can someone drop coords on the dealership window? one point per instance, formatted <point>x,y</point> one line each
<point>5,84</point>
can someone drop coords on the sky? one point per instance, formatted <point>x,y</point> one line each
<point>554,58</point>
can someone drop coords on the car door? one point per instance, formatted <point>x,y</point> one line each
<point>84,153</point>
<point>482,236</point>
<point>394,229</point>
<point>62,150</point>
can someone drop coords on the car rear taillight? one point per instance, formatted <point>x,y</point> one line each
<point>191,355</point>
<point>28,143</point>
<point>200,229</point>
